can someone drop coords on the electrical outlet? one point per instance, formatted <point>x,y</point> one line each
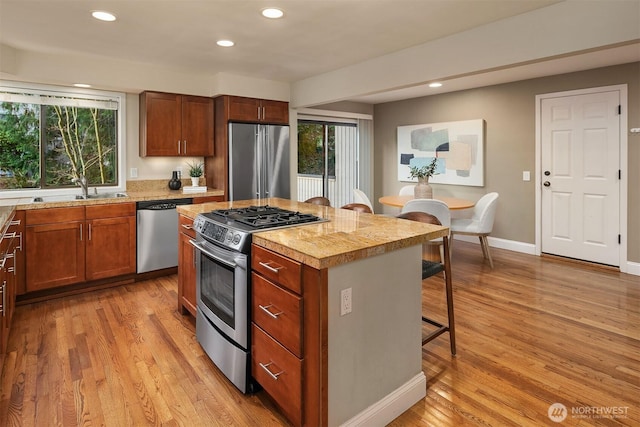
<point>133,173</point>
<point>345,301</point>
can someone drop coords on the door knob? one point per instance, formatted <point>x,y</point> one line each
<point>546,184</point>
<point>547,173</point>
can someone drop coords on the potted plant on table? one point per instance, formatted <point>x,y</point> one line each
<point>195,172</point>
<point>423,190</point>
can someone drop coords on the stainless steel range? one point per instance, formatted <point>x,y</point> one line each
<point>223,282</point>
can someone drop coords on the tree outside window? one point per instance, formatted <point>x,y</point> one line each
<point>49,145</point>
<point>316,141</point>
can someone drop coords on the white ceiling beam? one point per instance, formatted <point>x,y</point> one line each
<point>556,30</point>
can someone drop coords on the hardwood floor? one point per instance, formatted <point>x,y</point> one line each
<point>530,333</point>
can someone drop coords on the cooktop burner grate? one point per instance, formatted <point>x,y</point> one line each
<point>260,217</point>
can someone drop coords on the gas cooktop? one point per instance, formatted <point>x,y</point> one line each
<point>232,228</point>
<point>261,217</point>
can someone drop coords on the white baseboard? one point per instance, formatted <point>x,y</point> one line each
<point>633,268</point>
<point>494,242</point>
<point>530,249</point>
<point>392,405</point>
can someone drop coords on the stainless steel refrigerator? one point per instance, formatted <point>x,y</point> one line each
<point>258,161</point>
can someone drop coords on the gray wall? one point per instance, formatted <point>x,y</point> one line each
<point>509,114</point>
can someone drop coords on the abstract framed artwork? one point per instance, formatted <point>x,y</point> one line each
<point>458,146</point>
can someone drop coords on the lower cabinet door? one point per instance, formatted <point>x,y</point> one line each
<point>186,276</point>
<point>55,255</point>
<point>279,372</point>
<point>111,247</point>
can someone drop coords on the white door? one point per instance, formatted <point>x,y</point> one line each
<point>580,164</point>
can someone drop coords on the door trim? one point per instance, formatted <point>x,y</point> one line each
<point>624,164</point>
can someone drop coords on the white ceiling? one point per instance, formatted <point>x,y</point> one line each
<point>314,37</point>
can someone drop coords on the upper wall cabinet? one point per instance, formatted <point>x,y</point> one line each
<point>175,125</point>
<point>257,110</point>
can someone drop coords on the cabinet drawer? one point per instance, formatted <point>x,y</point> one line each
<point>54,215</point>
<point>278,312</point>
<point>277,268</point>
<point>185,225</point>
<point>278,372</point>
<point>207,199</point>
<point>114,210</point>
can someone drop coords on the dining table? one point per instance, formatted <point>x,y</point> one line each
<point>453,203</point>
<point>429,252</point>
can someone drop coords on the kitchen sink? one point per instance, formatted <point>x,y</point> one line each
<point>104,196</point>
<point>72,197</point>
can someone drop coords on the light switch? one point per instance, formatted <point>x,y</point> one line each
<point>133,173</point>
<point>526,176</point>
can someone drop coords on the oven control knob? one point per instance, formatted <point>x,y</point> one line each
<point>229,236</point>
<point>236,239</point>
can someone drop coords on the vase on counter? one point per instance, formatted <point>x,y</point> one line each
<point>423,190</point>
<point>195,181</point>
<point>174,182</point>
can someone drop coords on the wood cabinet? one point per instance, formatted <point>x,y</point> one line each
<point>187,260</point>
<point>8,279</point>
<point>186,267</point>
<point>111,240</point>
<point>252,110</point>
<point>71,245</point>
<point>175,125</point>
<point>237,109</point>
<point>55,247</point>
<point>277,361</point>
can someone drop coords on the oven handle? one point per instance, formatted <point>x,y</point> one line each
<point>217,257</point>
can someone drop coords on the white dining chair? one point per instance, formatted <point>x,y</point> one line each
<point>360,197</point>
<point>407,190</point>
<point>480,224</point>
<point>437,208</point>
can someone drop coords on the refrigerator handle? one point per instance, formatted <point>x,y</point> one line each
<point>266,163</point>
<point>257,167</point>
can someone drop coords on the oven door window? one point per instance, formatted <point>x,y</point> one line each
<point>217,289</point>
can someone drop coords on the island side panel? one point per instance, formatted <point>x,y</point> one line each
<point>376,349</point>
<point>315,346</point>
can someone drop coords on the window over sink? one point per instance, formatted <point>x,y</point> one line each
<point>51,137</point>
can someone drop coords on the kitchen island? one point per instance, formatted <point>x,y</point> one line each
<point>359,368</point>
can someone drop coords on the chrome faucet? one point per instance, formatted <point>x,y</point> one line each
<point>81,180</point>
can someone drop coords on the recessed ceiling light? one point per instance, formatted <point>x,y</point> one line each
<point>272,12</point>
<point>225,43</point>
<point>103,16</point>
<point>435,84</point>
<point>84,85</point>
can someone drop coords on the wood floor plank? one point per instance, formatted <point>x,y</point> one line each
<point>530,332</point>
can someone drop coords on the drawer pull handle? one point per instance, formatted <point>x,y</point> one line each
<point>268,267</point>
<point>187,226</point>
<point>271,374</point>
<point>266,310</point>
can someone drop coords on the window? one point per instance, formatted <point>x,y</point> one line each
<point>316,149</point>
<point>49,137</point>
<point>327,160</point>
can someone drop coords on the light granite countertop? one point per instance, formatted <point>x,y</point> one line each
<point>346,237</point>
<point>6,214</point>
<point>136,191</point>
<point>26,203</point>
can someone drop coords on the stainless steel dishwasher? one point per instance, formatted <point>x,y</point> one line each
<point>157,242</point>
